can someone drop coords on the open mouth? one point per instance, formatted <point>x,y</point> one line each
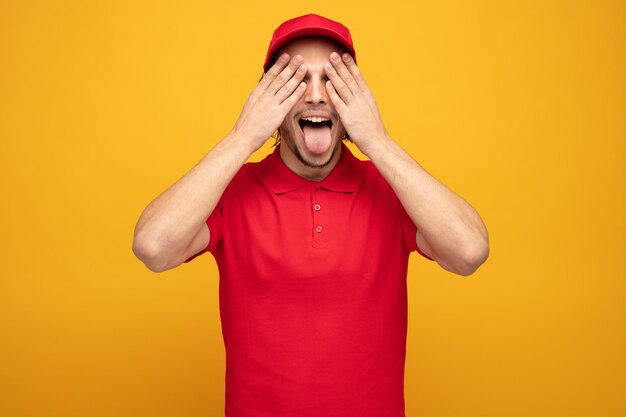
<point>316,131</point>
<point>314,122</point>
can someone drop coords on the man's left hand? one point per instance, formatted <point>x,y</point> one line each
<point>354,102</point>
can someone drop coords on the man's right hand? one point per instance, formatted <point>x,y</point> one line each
<point>271,100</point>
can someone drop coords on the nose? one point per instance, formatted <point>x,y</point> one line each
<point>315,91</point>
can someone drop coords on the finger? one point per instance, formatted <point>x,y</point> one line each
<point>354,70</point>
<point>291,85</point>
<point>273,72</point>
<point>291,101</point>
<point>285,75</point>
<point>360,80</point>
<point>339,85</point>
<point>340,105</point>
<point>344,73</point>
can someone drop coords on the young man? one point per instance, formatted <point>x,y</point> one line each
<point>312,244</point>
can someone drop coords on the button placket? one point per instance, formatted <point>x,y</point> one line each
<point>320,218</point>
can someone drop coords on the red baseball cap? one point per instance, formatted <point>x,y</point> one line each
<point>308,25</point>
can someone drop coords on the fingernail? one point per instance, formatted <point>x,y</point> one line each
<point>346,57</point>
<point>297,59</point>
<point>302,69</point>
<point>284,57</point>
<point>328,66</point>
<point>334,57</point>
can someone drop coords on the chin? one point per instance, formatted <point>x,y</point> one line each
<point>319,161</point>
<point>310,159</point>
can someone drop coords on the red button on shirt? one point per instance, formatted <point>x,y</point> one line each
<point>313,303</point>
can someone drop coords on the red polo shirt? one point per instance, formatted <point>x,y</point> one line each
<point>313,299</point>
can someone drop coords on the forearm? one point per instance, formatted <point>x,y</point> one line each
<point>450,225</point>
<point>169,223</point>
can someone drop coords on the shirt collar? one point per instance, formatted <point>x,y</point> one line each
<point>343,178</point>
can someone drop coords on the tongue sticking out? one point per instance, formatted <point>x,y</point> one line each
<point>317,139</point>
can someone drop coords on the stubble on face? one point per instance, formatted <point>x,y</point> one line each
<point>306,162</point>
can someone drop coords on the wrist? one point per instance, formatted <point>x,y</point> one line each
<point>243,142</point>
<point>376,145</point>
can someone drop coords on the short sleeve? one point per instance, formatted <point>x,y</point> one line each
<point>216,227</point>
<point>409,230</point>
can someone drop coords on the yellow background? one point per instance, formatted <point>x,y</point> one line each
<point>517,106</point>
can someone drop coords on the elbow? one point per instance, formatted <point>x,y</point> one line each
<point>474,258</point>
<point>150,253</point>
